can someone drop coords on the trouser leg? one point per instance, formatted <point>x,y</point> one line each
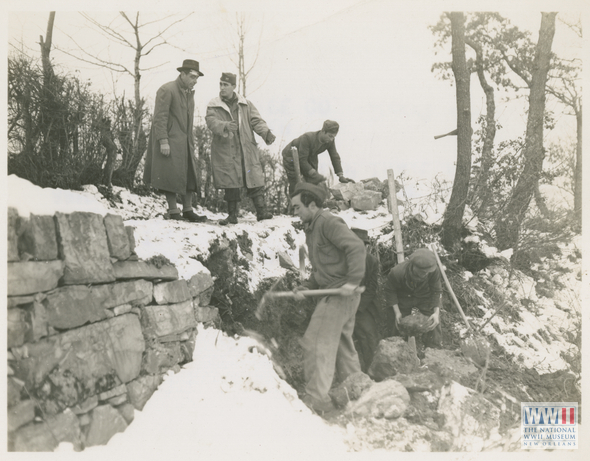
<point>328,338</point>
<point>366,338</point>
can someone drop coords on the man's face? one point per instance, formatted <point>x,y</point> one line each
<point>304,213</point>
<point>226,89</point>
<point>189,80</point>
<point>325,138</point>
<point>420,274</point>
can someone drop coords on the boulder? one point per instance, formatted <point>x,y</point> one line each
<point>346,191</point>
<point>206,314</point>
<point>135,292</point>
<point>469,417</point>
<point>424,380</point>
<point>130,237</point>
<point>158,320</point>
<point>117,238</point>
<point>14,301</point>
<point>13,390</point>
<point>105,422</point>
<point>12,234</point>
<point>413,324</point>
<point>87,405</point>
<point>78,356</point>
<point>127,412</point>
<point>393,355</point>
<point>160,357</point>
<point>46,436</point>
<point>366,200</point>
<point>17,327</point>
<point>125,270</point>
<point>117,400</point>
<point>73,306</point>
<point>82,243</point>
<point>350,389</point>
<point>387,399</point>
<point>20,414</point>
<point>28,277</point>
<point>37,321</point>
<point>447,364</point>
<point>201,286</point>
<point>38,238</point>
<point>124,309</point>
<point>374,184</point>
<point>115,391</point>
<point>171,292</point>
<point>141,389</point>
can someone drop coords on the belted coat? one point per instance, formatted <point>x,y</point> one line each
<point>225,158</point>
<point>173,120</point>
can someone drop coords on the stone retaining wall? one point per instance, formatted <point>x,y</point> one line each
<point>91,329</point>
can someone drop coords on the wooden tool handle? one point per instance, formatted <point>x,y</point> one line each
<point>311,293</point>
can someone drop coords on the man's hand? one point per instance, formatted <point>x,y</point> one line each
<point>314,177</point>
<point>165,150</point>
<point>348,289</point>
<point>298,296</point>
<point>232,126</point>
<point>270,138</point>
<point>433,320</point>
<point>342,179</point>
<point>397,314</point>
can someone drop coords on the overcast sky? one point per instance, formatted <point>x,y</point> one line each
<point>364,63</point>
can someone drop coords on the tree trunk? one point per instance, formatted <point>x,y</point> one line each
<point>46,47</point>
<point>508,226</point>
<point>578,170</point>
<point>451,227</point>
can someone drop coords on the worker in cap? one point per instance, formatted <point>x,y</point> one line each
<point>366,332</point>
<point>416,283</point>
<point>171,163</point>
<point>235,156</point>
<point>337,257</point>
<point>309,145</point>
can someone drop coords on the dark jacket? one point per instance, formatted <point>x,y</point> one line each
<point>370,282</point>
<point>173,120</point>
<point>337,255</point>
<point>225,156</point>
<point>400,284</point>
<point>309,147</point>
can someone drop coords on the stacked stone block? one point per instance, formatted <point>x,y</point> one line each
<point>91,329</point>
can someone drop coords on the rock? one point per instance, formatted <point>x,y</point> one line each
<point>115,391</point>
<point>204,298</point>
<point>37,321</point>
<point>470,417</point>
<point>201,285</point>
<point>141,389</point>
<point>38,238</point>
<point>117,400</point>
<point>73,306</point>
<point>169,319</point>
<point>393,355</point>
<point>127,412</point>
<point>30,277</point>
<point>124,309</point>
<point>20,414</point>
<point>366,200</point>
<point>477,349</point>
<point>87,405</point>
<point>125,270</point>
<point>130,238</point>
<point>447,364</point>
<point>82,243</point>
<point>388,399</point>
<point>106,422</point>
<point>374,184</point>
<point>14,387</point>
<point>17,327</point>
<point>350,389</point>
<point>414,324</point>
<point>12,234</point>
<point>77,354</point>
<point>424,380</point>
<point>206,314</point>
<point>285,260</point>
<point>135,292</point>
<point>171,292</point>
<point>159,357</point>
<point>346,191</point>
<point>14,301</point>
<point>498,280</point>
<point>46,436</point>
<point>342,205</point>
<point>117,238</point>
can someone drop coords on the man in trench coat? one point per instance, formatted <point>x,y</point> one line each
<point>171,164</point>
<point>234,154</point>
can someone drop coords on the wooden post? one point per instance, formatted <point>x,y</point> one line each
<point>397,228</point>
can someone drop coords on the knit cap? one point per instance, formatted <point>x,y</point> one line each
<point>423,259</point>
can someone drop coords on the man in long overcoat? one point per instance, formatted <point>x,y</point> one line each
<point>234,154</point>
<point>171,163</point>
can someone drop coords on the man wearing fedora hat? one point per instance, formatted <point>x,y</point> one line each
<point>171,164</point>
<point>309,146</point>
<point>235,157</point>
<point>337,257</point>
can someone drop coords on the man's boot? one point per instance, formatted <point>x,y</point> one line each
<point>260,206</point>
<point>232,214</point>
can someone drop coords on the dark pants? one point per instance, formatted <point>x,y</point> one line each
<point>366,337</point>
<point>432,338</point>
<point>233,195</point>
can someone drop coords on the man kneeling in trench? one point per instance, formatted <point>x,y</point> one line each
<point>337,257</point>
<point>416,283</point>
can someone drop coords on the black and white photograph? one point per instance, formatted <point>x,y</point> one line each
<point>289,230</point>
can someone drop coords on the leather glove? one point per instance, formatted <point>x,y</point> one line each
<point>314,177</point>
<point>270,138</point>
<point>342,179</point>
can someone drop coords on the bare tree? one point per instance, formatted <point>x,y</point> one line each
<point>242,29</point>
<point>451,226</point>
<point>131,35</point>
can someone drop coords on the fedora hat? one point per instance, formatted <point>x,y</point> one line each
<point>189,64</point>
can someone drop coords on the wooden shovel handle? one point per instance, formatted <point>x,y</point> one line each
<point>310,293</point>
